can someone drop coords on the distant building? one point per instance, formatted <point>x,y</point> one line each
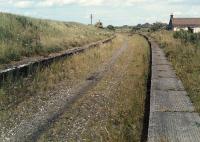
<point>99,24</point>
<point>186,24</point>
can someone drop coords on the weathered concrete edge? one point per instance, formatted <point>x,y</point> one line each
<point>49,60</point>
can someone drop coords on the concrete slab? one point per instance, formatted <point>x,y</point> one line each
<point>170,101</point>
<point>174,127</point>
<point>167,84</point>
<point>172,116</point>
<point>160,62</point>
<point>163,74</point>
<point>165,67</point>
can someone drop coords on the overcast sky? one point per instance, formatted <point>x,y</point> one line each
<point>115,12</point>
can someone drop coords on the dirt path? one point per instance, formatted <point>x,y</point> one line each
<point>29,129</point>
<point>172,115</point>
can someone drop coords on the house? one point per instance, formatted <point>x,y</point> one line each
<point>186,24</point>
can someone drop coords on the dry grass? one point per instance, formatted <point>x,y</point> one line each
<point>185,58</point>
<point>129,98</point>
<point>71,71</point>
<point>114,109</point>
<point>28,96</point>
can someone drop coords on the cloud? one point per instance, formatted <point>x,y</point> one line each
<point>22,4</point>
<point>51,3</point>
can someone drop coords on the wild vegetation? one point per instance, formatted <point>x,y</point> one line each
<point>149,27</point>
<point>113,110</point>
<point>183,50</point>
<point>22,99</point>
<point>24,37</point>
<point>71,70</point>
<point>188,37</point>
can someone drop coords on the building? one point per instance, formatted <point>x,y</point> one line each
<point>186,24</point>
<point>99,24</point>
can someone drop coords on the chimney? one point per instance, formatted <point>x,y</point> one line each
<point>171,16</point>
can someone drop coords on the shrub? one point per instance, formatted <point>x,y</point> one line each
<point>158,26</point>
<point>187,36</point>
<point>111,27</point>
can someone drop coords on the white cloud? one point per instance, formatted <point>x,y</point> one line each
<point>22,4</point>
<point>50,3</point>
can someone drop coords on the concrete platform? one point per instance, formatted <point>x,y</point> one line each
<point>174,127</point>
<point>172,115</point>
<point>170,101</point>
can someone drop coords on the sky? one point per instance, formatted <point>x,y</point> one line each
<point>114,12</point>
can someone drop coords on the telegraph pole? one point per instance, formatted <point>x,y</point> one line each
<point>91,17</point>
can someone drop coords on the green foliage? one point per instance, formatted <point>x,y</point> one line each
<point>111,27</point>
<point>158,26</point>
<point>187,36</point>
<point>146,27</point>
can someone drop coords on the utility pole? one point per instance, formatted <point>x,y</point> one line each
<point>91,17</point>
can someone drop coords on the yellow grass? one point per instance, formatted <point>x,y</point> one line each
<point>70,71</point>
<point>114,109</point>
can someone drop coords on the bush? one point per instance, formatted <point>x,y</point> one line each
<point>158,26</point>
<point>187,36</point>
<point>111,27</point>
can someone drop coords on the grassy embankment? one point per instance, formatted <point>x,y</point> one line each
<point>184,53</point>
<point>24,37</point>
<point>114,109</point>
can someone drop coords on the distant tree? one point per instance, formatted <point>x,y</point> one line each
<point>111,27</point>
<point>146,25</point>
<point>139,25</point>
<point>136,28</point>
<point>158,26</point>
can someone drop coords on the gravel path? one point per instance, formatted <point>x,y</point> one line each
<point>29,129</point>
<point>172,115</point>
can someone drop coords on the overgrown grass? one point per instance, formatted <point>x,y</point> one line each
<point>71,70</point>
<point>113,110</point>
<point>24,37</point>
<point>127,118</point>
<point>185,57</point>
<point>188,37</point>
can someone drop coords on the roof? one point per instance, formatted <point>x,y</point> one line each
<point>189,22</point>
